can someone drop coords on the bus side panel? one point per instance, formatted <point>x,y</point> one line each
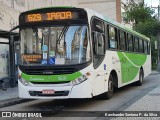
<point>112,62</point>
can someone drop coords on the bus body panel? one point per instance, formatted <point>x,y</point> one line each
<point>82,90</point>
<point>127,66</point>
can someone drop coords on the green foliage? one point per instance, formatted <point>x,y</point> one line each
<point>138,13</point>
<point>148,28</point>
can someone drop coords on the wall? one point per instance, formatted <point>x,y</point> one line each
<point>10,9</point>
<point>109,8</point>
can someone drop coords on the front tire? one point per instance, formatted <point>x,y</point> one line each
<point>107,95</point>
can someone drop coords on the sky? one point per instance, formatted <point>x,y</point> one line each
<point>153,3</point>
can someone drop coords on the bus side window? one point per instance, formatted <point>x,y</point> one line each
<point>141,45</point>
<point>145,47</point>
<point>148,50</point>
<point>136,44</point>
<point>122,40</point>
<point>130,42</point>
<point>112,38</point>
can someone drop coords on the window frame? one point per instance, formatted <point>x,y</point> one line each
<point>120,45</point>
<point>115,37</point>
<point>93,32</point>
<point>134,39</point>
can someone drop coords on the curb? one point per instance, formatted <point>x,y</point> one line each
<point>154,73</point>
<point>13,101</point>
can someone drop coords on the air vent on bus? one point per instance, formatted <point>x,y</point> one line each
<point>52,71</point>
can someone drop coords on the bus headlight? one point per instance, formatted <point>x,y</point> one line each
<point>79,80</point>
<point>24,82</point>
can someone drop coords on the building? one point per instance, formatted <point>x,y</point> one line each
<point>110,8</point>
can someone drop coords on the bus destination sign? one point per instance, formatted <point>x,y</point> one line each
<point>51,16</point>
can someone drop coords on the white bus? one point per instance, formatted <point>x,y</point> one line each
<point>68,52</point>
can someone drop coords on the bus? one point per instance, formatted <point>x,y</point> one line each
<point>69,52</point>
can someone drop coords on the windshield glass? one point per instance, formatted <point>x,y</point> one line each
<point>62,45</point>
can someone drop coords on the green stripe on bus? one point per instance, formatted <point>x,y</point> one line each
<point>51,78</point>
<point>130,65</point>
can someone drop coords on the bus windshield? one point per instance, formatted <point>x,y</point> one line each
<point>56,45</point>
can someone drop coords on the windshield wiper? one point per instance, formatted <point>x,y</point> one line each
<point>62,33</point>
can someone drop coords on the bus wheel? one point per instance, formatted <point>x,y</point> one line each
<point>141,78</point>
<point>109,93</point>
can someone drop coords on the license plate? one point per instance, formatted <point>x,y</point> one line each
<point>48,92</point>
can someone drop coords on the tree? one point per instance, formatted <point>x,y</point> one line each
<point>138,12</point>
<point>148,28</point>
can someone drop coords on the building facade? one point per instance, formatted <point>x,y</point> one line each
<point>109,8</point>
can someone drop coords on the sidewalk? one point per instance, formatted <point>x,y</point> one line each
<point>9,93</point>
<point>10,97</point>
<point>154,72</point>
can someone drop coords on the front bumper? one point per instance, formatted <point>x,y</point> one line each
<point>83,90</point>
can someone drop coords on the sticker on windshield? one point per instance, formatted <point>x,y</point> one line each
<point>51,61</point>
<point>60,61</point>
<point>44,62</point>
<point>44,48</point>
<point>44,55</point>
<point>52,53</point>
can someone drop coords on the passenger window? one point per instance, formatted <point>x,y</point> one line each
<point>100,44</point>
<point>130,42</point>
<point>122,40</point>
<point>136,45</point>
<point>141,45</point>
<point>112,38</point>
<point>145,47</point>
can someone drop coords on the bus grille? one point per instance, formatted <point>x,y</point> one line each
<point>48,71</point>
<point>57,93</point>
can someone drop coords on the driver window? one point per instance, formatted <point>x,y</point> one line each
<point>98,35</point>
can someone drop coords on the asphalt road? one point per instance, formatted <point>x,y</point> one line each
<point>123,98</point>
